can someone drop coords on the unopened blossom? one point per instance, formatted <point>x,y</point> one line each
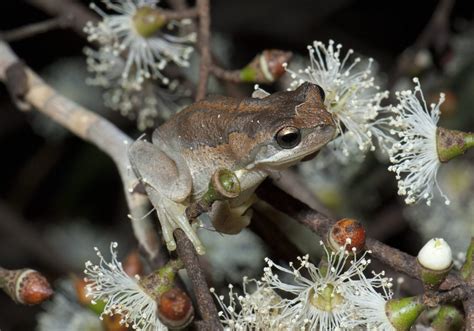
<point>415,157</point>
<point>123,294</point>
<point>351,94</point>
<point>132,33</point>
<point>320,296</point>
<point>436,255</point>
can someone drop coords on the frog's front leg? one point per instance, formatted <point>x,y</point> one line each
<point>168,183</point>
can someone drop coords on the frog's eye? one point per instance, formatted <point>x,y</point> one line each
<point>321,91</point>
<point>288,137</point>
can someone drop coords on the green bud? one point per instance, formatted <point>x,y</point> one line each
<point>452,143</point>
<point>97,307</point>
<point>326,300</point>
<point>449,318</point>
<point>402,313</point>
<point>466,269</point>
<point>148,21</point>
<point>161,280</point>
<point>248,74</point>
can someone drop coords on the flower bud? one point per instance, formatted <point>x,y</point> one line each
<point>266,67</point>
<point>80,286</point>
<point>147,21</point>
<point>434,261</point>
<point>348,233</point>
<point>448,318</point>
<point>132,265</point>
<point>402,313</point>
<point>452,143</point>
<point>175,309</point>
<point>114,323</point>
<point>25,286</point>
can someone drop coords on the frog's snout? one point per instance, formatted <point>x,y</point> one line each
<point>327,126</point>
<point>329,131</point>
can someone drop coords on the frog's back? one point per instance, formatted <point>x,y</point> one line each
<point>210,122</point>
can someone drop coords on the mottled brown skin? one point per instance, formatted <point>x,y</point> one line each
<point>235,134</point>
<point>211,122</point>
<point>224,132</point>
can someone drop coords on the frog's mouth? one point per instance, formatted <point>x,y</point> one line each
<point>285,162</point>
<point>310,156</point>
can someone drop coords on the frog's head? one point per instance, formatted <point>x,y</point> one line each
<point>294,125</point>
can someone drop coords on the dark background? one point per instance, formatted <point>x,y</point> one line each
<point>49,179</point>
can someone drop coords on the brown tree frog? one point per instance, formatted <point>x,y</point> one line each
<point>251,136</point>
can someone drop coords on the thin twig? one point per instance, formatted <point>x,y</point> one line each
<point>204,47</point>
<point>73,13</point>
<point>206,305</point>
<point>31,30</point>
<point>233,76</point>
<point>460,293</point>
<point>90,127</point>
<point>271,234</point>
<point>321,224</point>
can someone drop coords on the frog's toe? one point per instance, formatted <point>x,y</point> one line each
<point>167,230</point>
<point>171,245</point>
<point>173,217</point>
<point>192,235</point>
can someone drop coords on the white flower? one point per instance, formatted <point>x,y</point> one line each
<point>250,311</point>
<point>415,158</point>
<point>436,255</point>
<point>144,56</point>
<point>351,94</point>
<point>122,293</point>
<point>369,304</point>
<point>148,105</point>
<point>321,296</point>
<point>454,222</point>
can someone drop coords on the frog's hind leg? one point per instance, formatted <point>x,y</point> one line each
<point>168,184</point>
<point>169,176</point>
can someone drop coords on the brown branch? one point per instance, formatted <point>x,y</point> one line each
<point>90,127</point>
<point>204,47</point>
<point>73,13</point>
<point>321,224</point>
<point>232,76</point>
<point>271,234</point>
<point>31,30</point>
<point>205,303</point>
<point>460,293</point>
